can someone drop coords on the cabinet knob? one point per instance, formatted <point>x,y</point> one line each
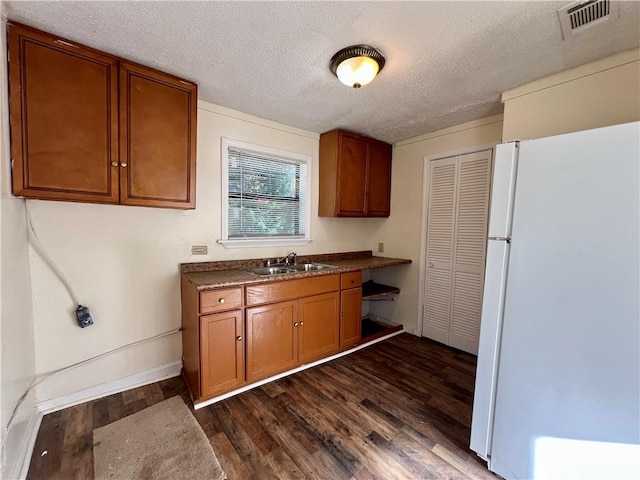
<point>301,323</point>
<point>123,164</point>
<point>352,282</point>
<point>114,164</point>
<point>239,338</point>
<point>344,313</point>
<point>296,324</point>
<point>221,300</point>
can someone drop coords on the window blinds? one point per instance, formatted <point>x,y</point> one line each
<point>267,195</point>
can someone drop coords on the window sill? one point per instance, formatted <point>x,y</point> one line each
<point>264,242</point>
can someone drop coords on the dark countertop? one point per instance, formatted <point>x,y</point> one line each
<point>209,275</point>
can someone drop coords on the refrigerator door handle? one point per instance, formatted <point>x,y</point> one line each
<point>489,348</point>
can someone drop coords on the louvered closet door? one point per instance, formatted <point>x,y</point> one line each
<point>470,243</point>
<point>440,236</point>
<point>456,245</point>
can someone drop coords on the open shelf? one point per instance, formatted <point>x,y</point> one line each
<point>372,329</point>
<point>377,291</point>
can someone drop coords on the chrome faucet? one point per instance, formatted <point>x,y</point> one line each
<point>287,259</point>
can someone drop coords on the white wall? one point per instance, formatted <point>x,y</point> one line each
<point>123,261</point>
<point>401,233</point>
<point>16,324</point>
<point>598,94</point>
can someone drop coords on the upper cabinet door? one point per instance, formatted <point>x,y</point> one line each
<point>157,138</point>
<point>352,177</point>
<point>355,176</point>
<point>379,195</point>
<point>64,119</point>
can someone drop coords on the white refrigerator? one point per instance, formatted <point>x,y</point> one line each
<point>557,391</point>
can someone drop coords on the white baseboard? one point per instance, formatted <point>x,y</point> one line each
<point>109,388</point>
<point>213,400</point>
<point>21,438</point>
<point>24,433</point>
<point>412,331</point>
<point>30,442</point>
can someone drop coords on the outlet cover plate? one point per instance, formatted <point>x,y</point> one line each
<point>199,250</point>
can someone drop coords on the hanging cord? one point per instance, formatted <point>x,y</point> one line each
<point>36,242</point>
<point>47,257</point>
<point>35,382</point>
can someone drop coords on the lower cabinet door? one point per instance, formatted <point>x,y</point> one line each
<point>271,344</point>
<point>318,327</point>
<point>350,321</point>
<point>222,352</point>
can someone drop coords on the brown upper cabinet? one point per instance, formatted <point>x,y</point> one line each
<point>87,126</point>
<point>355,176</point>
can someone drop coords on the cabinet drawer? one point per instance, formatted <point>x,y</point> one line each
<point>350,280</point>
<point>220,300</point>
<point>291,289</point>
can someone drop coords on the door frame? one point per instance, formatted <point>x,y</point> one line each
<point>426,171</point>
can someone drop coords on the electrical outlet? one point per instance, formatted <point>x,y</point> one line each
<point>380,247</point>
<point>199,250</point>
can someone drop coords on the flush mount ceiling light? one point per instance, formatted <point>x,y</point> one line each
<point>357,65</point>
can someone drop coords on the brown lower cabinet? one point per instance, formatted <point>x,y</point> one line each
<point>350,320</point>
<point>213,343</point>
<point>271,339</point>
<point>222,351</point>
<point>350,309</point>
<point>284,335</point>
<point>319,327</point>
<point>236,336</point>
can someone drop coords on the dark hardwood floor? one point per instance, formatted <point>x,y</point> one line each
<point>397,410</point>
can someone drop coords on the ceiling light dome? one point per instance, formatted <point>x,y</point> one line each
<point>357,65</point>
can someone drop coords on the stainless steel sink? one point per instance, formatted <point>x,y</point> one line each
<point>271,271</point>
<point>310,267</point>
<point>280,270</point>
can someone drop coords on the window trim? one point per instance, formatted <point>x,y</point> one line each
<point>224,180</point>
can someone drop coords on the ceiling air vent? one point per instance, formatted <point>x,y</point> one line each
<point>576,16</point>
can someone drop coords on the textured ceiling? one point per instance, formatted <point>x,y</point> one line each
<point>446,62</point>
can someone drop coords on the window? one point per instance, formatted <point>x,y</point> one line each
<point>265,196</point>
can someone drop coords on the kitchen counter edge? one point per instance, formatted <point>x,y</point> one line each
<point>208,280</point>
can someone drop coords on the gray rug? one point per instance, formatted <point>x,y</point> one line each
<point>160,442</point>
